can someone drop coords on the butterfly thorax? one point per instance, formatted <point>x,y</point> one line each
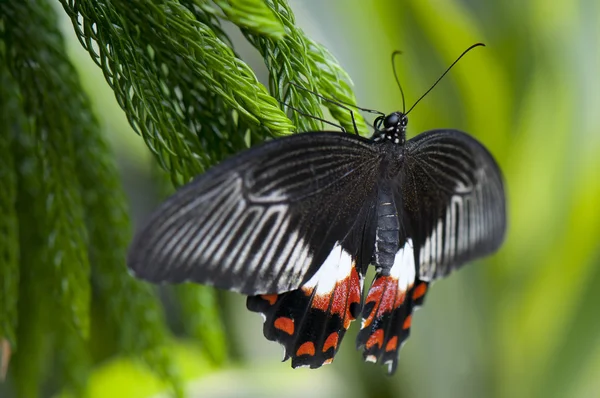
<point>391,128</point>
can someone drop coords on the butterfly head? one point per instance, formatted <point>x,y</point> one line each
<point>391,128</point>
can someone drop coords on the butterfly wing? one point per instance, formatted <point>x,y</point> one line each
<point>453,197</point>
<point>451,201</point>
<point>311,321</point>
<point>262,222</point>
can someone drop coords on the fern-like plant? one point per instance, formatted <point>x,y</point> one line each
<point>64,226</point>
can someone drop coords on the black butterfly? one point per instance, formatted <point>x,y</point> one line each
<point>295,222</point>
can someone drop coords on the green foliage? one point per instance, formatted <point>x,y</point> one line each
<point>202,321</point>
<point>64,209</point>
<point>298,59</point>
<point>61,262</point>
<point>172,74</point>
<point>253,15</point>
<point>67,300</point>
<point>9,233</point>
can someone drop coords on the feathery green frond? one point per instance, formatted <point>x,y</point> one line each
<point>9,233</point>
<point>144,333</point>
<point>297,59</point>
<point>172,74</point>
<point>65,228</point>
<point>334,83</point>
<point>68,194</point>
<point>253,15</point>
<point>35,308</point>
<point>33,46</point>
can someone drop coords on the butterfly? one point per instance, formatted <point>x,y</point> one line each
<point>294,224</point>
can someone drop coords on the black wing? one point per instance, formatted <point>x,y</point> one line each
<point>264,221</point>
<point>454,199</point>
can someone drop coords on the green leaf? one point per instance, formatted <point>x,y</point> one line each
<point>162,93</point>
<point>32,45</point>
<point>34,305</point>
<point>254,16</point>
<point>121,297</point>
<point>201,319</point>
<point>10,115</point>
<point>334,83</point>
<point>299,60</point>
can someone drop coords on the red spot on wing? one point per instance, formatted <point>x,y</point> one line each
<point>285,325</point>
<point>407,322</point>
<point>419,291</point>
<point>331,341</point>
<point>321,302</point>
<point>376,338</point>
<point>355,288</point>
<point>347,291</point>
<point>340,297</point>
<point>392,344</point>
<point>271,298</point>
<point>386,295</point>
<point>307,348</point>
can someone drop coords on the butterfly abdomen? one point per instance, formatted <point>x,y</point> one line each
<point>387,232</point>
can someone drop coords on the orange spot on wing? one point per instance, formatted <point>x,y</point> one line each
<point>331,341</point>
<point>307,348</point>
<point>419,291</point>
<point>271,298</point>
<point>375,339</point>
<point>392,344</point>
<point>327,361</point>
<point>407,322</point>
<point>285,325</point>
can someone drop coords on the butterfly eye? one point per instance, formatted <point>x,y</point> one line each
<point>391,120</point>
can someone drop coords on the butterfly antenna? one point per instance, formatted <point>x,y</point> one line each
<point>335,101</point>
<point>397,52</point>
<point>444,74</point>
<point>314,117</point>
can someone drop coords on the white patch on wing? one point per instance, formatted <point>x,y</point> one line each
<point>435,250</point>
<point>460,221</point>
<point>404,266</point>
<point>390,365</point>
<point>336,266</point>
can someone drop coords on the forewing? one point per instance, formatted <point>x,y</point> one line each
<point>264,221</point>
<point>453,196</point>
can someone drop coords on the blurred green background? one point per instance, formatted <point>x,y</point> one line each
<point>523,323</point>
